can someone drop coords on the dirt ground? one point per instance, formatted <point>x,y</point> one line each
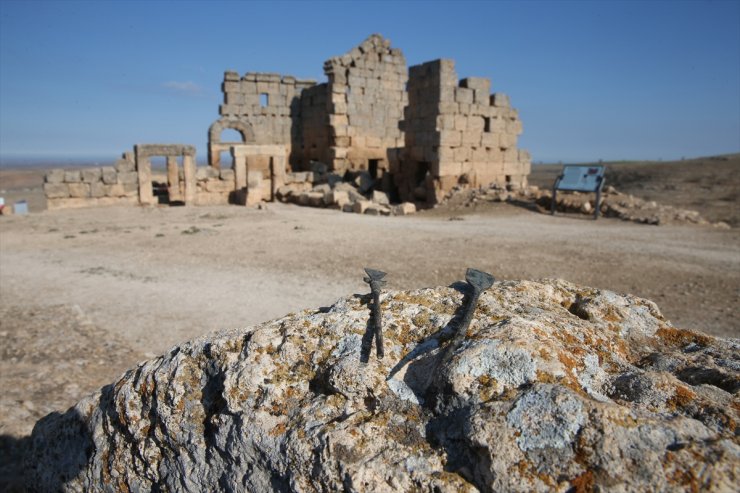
<point>85,294</point>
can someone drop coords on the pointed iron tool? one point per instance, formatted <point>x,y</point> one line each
<point>479,281</point>
<point>375,280</point>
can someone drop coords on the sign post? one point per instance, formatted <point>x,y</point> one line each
<point>574,178</point>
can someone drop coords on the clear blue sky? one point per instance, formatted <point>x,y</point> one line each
<point>591,79</point>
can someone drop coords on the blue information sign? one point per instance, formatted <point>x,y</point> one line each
<point>581,178</point>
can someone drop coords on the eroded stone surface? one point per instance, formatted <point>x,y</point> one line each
<point>556,386</point>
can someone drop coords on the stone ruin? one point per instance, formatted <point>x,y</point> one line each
<point>397,134</point>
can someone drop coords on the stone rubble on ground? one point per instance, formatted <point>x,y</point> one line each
<point>613,204</point>
<point>327,189</point>
<point>556,387</point>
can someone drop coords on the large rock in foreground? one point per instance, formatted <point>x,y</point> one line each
<point>555,387</point>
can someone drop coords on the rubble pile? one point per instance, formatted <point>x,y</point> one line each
<point>351,192</point>
<point>613,204</point>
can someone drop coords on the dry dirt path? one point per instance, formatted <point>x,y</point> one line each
<point>159,276</point>
<point>85,294</point>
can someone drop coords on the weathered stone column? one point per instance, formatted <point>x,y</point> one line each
<point>144,170</point>
<point>240,168</point>
<point>188,164</point>
<point>173,179</point>
<point>214,156</point>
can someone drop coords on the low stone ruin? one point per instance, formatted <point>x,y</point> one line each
<point>555,387</point>
<point>613,204</point>
<point>417,132</point>
<point>108,185</point>
<point>353,192</point>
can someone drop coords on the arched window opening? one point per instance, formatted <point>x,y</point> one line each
<point>232,135</point>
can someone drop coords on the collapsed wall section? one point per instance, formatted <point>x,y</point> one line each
<point>457,133</point>
<point>366,95</point>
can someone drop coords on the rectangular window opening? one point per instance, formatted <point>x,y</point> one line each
<point>486,124</point>
<point>264,99</point>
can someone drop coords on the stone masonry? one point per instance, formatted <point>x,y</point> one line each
<point>108,185</point>
<point>457,134</point>
<point>366,100</point>
<point>263,108</point>
<point>414,135</point>
<point>416,142</point>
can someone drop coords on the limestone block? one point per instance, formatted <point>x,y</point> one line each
<point>513,168</point>
<point>230,75</point>
<point>451,138</point>
<point>524,156</point>
<point>476,123</point>
<point>131,189</point>
<point>372,210</point>
<point>511,155</point>
<point>446,122</point>
<point>507,141</point>
<point>494,154</point>
<point>361,206</point>
<point>79,190</point>
<point>54,176</point>
<point>206,198</point>
<point>227,175</point>
<point>447,108</point>
<point>447,169</point>
<point>446,153</point>
<point>234,98</point>
<point>72,176</point>
<point>464,95</point>
<point>56,190</point>
<point>254,179</point>
<point>203,173</point>
<point>128,177</point>
<point>124,166</point>
<point>380,198</point>
<point>403,209</point>
<point>97,189</point>
<point>461,122</point>
<point>336,197</point>
<point>216,185</point>
<point>461,154</point>
<point>479,154</point>
<point>115,190</point>
<point>372,142</point>
<point>500,100</point>
<point>446,183</point>
<point>341,141</point>
<point>477,83</point>
<point>471,138</point>
<point>315,199</point>
<point>489,139</point>
<point>90,175</point>
<point>513,127</point>
<point>231,86</point>
<point>109,175</point>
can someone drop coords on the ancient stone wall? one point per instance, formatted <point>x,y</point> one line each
<point>366,100</point>
<point>263,108</point>
<point>107,185</point>
<point>457,134</point>
<point>314,127</point>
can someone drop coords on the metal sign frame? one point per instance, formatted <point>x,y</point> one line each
<point>579,178</point>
